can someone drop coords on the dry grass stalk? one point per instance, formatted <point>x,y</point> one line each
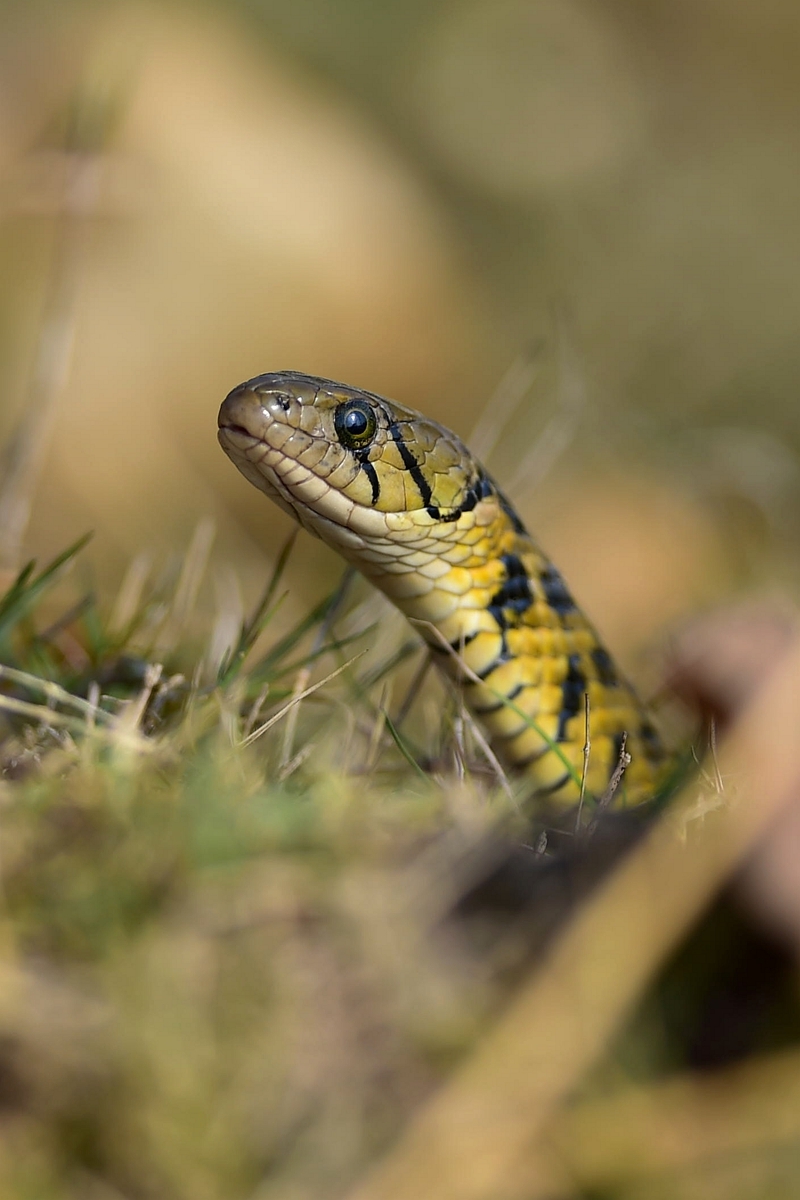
<point>682,1123</point>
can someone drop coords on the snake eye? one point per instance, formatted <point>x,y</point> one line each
<point>355,424</point>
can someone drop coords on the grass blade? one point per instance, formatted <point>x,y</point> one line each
<point>26,589</point>
<point>264,611</point>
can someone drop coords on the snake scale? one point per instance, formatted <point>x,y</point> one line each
<point>403,499</point>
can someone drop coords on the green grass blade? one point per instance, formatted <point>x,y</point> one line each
<point>263,613</point>
<point>282,647</point>
<point>402,747</point>
<point>27,589</point>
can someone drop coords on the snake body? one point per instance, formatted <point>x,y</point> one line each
<point>403,499</point>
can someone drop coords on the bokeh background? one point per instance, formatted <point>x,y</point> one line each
<point>600,198</point>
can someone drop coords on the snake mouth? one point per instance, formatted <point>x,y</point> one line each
<point>238,432</point>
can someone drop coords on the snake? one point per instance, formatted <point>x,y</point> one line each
<point>402,499</point>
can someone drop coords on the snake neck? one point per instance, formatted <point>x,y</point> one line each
<point>503,623</point>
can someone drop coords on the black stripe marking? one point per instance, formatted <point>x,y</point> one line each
<point>515,593</point>
<point>651,739</point>
<point>508,509</point>
<point>479,490</point>
<point>455,645</point>
<point>554,787</point>
<point>572,694</point>
<point>503,657</point>
<point>463,641</point>
<point>492,708</point>
<point>606,671</point>
<point>555,591</point>
<point>412,466</point>
<point>372,475</point>
<point>521,763</point>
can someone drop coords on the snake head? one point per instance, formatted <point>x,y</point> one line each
<point>326,452</point>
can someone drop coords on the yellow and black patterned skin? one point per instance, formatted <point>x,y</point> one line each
<point>403,500</point>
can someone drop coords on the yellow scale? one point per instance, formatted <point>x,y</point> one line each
<point>403,500</point>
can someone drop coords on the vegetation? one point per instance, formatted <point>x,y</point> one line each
<point>219,963</point>
<point>231,969</point>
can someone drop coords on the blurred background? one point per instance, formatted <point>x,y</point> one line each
<point>595,202</point>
